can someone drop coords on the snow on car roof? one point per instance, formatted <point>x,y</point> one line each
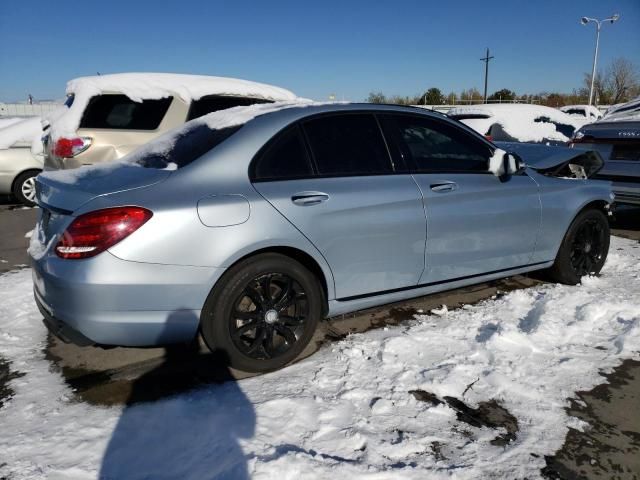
<point>518,120</point>
<point>140,86</point>
<point>624,112</point>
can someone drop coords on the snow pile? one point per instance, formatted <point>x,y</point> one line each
<point>518,121</point>
<point>27,131</point>
<point>371,406</point>
<point>141,86</point>
<point>163,144</point>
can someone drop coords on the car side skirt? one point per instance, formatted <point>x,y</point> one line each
<point>352,304</point>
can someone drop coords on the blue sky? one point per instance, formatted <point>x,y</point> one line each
<point>349,48</point>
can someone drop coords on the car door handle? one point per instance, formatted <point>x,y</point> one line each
<point>306,199</point>
<point>443,186</point>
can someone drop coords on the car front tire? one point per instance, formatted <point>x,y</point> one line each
<point>584,248</point>
<point>262,313</point>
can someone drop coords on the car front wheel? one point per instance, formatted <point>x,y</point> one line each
<point>584,248</point>
<point>263,313</point>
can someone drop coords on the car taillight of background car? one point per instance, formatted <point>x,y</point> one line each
<point>70,147</point>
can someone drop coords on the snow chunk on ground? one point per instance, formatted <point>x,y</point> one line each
<point>140,86</point>
<point>347,411</point>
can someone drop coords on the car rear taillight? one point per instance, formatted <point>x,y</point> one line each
<point>70,147</point>
<point>95,232</point>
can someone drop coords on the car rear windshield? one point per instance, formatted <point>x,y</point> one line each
<point>213,103</point>
<point>188,146</point>
<point>121,113</point>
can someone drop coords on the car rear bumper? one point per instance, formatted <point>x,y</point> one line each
<point>108,301</point>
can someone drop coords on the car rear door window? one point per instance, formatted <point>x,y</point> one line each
<point>285,158</point>
<point>120,112</point>
<point>348,145</point>
<point>434,146</point>
<point>187,147</point>
<point>214,103</point>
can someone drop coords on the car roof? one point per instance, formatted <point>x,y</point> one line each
<point>139,85</point>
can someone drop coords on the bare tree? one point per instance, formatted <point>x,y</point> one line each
<point>602,95</point>
<point>621,79</point>
<point>376,97</point>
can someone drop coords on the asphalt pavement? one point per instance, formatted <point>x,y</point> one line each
<point>610,449</point>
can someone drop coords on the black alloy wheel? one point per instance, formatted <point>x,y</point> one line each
<point>263,312</point>
<point>584,248</point>
<point>269,316</point>
<point>587,248</point>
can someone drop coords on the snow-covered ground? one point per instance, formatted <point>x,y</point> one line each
<point>347,411</point>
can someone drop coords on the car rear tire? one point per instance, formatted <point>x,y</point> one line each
<point>262,313</point>
<point>584,248</point>
<point>24,187</point>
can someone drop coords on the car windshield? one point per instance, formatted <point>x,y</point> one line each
<point>187,147</point>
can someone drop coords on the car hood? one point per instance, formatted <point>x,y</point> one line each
<point>70,189</point>
<point>546,158</point>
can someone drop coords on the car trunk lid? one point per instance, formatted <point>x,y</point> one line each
<point>68,190</point>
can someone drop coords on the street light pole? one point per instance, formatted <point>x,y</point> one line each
<point>584,21</point>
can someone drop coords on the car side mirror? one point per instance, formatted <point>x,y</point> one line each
<point>504,164</point>
<point>512,164</point>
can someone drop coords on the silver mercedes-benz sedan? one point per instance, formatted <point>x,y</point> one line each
<point>250,225</point>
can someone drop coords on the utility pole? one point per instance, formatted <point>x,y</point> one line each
<point>486,72</point>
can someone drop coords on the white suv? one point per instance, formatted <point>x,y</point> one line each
<point>108,116</point>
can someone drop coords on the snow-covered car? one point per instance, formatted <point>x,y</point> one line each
<point>617,138</point>
<point>630,107</point>
<point>518,122</point>
<point>21,157</point>
<point>250,225</point>
<point>108,116</point>
<point>583,112</point>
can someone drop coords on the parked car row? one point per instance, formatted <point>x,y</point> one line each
<point>250,225</point>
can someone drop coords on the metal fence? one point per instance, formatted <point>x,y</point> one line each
<point>26,109</point>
